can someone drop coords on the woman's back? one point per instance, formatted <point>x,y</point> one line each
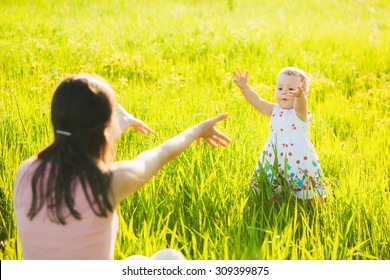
<point>92,237</point>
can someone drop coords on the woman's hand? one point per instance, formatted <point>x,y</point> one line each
<point>140,126</point>
<point>212,135</point>
<point>127,120</point>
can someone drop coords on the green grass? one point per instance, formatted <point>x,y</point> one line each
<point>171,64</point>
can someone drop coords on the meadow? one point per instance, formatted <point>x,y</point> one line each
<point>170,63</point>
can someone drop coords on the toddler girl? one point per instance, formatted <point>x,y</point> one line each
<point>288,157</point>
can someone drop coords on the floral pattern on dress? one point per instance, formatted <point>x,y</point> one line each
<point>289,156</point>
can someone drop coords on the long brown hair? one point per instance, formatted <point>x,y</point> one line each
<point>81,110</point>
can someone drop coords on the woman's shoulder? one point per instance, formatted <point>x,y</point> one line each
<point>26,164</point>
<point>23,170</point>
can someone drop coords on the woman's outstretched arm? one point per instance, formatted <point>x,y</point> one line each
<point>129,176</point>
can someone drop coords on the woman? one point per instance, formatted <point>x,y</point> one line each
<point>65,197</point>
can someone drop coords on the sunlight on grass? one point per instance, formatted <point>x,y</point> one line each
<point>171,65</point>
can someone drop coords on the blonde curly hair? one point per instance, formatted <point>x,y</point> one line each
<point>294,71</point>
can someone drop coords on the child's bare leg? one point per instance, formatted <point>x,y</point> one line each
<point>320,202</point>
<point>277,194</point>
<point>255,186</point>
<point>255,190</point>
<point>317,202</point>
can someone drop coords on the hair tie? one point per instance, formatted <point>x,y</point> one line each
<point>63,132</point>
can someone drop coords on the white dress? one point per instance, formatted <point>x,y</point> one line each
<point>288,156</point>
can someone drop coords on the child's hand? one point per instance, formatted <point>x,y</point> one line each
<point>212,135</point>
<point>240,80</point>
<point>301,91</point>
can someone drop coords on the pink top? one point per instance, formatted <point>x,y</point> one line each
<point>90,238</point>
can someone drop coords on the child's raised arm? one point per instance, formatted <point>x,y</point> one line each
<point>129,176</point>
<point>300,102</point>
<point>262,105</point>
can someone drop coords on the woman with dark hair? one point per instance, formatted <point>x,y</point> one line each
<point>65,197</point>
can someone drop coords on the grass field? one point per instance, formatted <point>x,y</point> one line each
<point>170,63</point>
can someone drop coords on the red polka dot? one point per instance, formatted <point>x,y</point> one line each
<point>281,154</point>
<point>270,155</point>
<point>290,154</point>
<point>298,162</point>
<point>305,157</point>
